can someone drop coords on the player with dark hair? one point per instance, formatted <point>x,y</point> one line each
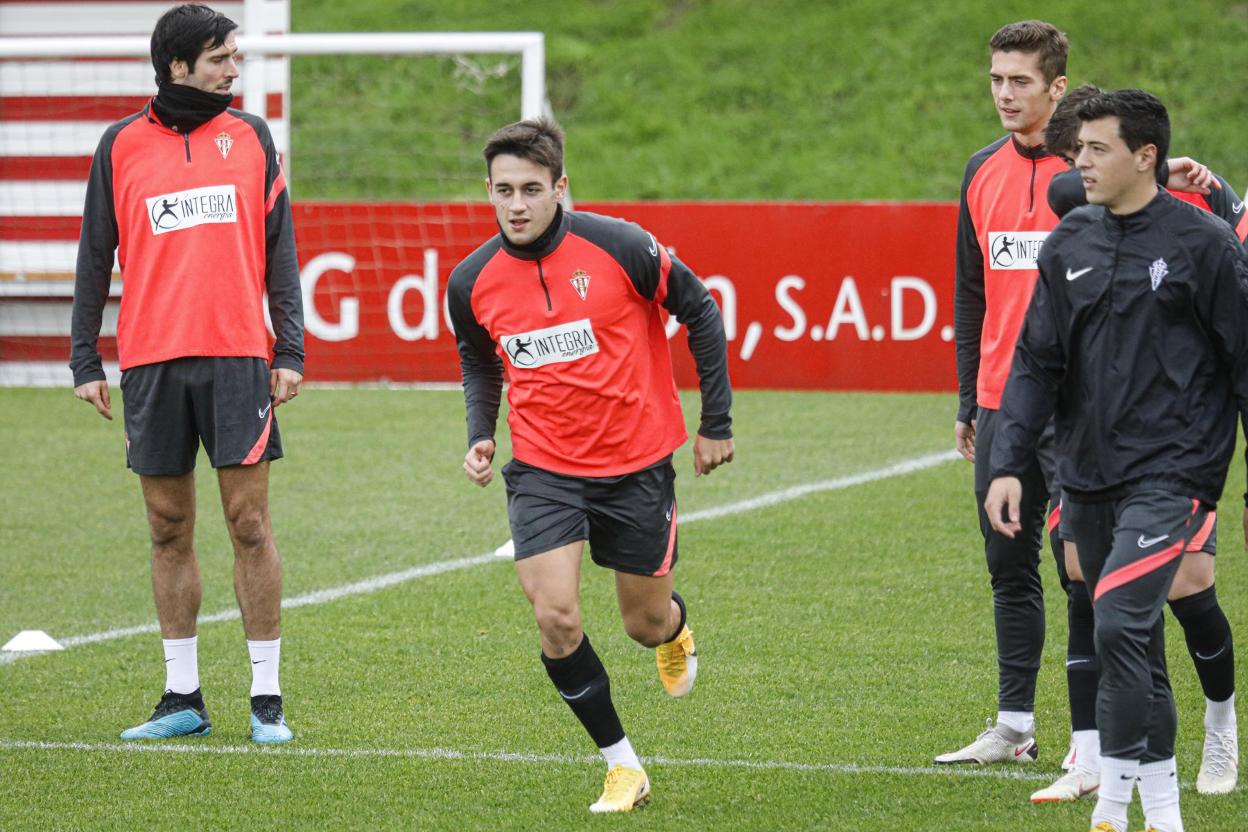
<point>572,305</point>
<point>1193,597</point>
<point>1136,339</point>
<point>1002,220</point>
<point>191,197</point>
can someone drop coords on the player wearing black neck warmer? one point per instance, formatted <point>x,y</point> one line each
<point>190,198</point>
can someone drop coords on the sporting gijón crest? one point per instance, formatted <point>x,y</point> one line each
<point>224,142</point>
<point>1157,272</point>
<point>580,282</point>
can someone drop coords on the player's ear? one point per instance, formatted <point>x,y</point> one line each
<point>178,70</point>
<point>1146,157</point>
<point>1058,88</point>
<point>561,187</point>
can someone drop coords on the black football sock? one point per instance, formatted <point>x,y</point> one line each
<point>1081,664</point>
<point>582,681</point>
<point>684,614</point>
<point>1208,635</point>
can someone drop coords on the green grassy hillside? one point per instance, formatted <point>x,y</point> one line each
<point>739,100</point>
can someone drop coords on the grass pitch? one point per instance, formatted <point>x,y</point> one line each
<point>845,638</point>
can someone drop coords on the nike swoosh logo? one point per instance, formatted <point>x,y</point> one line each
<point>264,411</point>
<point>1073,662</point>
<point>1125,777</point>
<point>169,660</point>
<point>1018,752</point>
<point>261,661</point>
<point>574,696</point>
<point>1145,542</point>
<point>654,246</point>
<point>1214,656</point>
<point>1237,207</point>
<point>1076,275</point>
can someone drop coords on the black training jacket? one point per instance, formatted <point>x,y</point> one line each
<point>1138,330</point>
<point>1066,193</point>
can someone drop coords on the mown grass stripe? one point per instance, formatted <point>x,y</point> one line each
<point>375,584</point>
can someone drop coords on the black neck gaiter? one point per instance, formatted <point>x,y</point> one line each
<point>183,107</point>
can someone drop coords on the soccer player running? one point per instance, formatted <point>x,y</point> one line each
<point>1193,598</point>
<point>191,196</point>
<point>1137,339</point>
<point>1002,219</point>
<point>572,304</point>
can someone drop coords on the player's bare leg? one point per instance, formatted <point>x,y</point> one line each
<point>258,587</point>
<point>654,615</point>
<point>170,502</point>
<point>551,580</point>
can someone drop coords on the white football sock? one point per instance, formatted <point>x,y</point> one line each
<point>621,754</point>
<point>1159,795</point>
<point>1117,786</point>
<point>1220,714</point>
<point>1024,722</point>
<point>181,664</point>
<point>265,657</point>
<point>1087,750</point>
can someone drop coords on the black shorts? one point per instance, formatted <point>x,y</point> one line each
<point>1209,545</point>
<point>629,520</point>
<point>171,406</point>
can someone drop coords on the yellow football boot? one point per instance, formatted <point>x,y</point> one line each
<point>678,663</point>
<point>624,789</point>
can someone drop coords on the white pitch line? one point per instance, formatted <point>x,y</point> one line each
<point>380,582</point>
<point>784,495</point>
<point>516,757</point>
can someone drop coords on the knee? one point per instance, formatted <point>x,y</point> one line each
<point>646,627</point>
<point>1112,634</point>
<point>560,624</point>
<point>171,530</point>
<point>249,529</point>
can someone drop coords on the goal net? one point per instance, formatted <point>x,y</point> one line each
<point>381,136</point>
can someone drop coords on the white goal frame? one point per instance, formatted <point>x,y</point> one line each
<point>530,46</point>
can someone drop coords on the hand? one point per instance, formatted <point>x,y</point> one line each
<point>283,385</point>
<point>1190,176</point>
<point>96,392</point>
<point>477,462</point>
<point>1004,493</point>
<point>964,439</point>
<point>709,454</point>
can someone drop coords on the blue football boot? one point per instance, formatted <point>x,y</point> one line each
<point>268,723</point>
<point>176,715</point>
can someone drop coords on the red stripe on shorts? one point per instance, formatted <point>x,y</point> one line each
<point>1055,517</point>
<point>1202,536</point>
<point>257,450</point>
<point>1128,573</point>
<point>671,546</point>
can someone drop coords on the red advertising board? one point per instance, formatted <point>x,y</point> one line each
<point>853,296</point>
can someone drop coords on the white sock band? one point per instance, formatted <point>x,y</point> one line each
<point>1220,714</point>
<point>265,658</point>
<point>181,664</point>
<point>1024,722</point>
<point>621,754</point>
<point>1159,795</point>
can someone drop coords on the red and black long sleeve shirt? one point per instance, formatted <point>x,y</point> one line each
<point>577,320</point>
<point>201,226</point>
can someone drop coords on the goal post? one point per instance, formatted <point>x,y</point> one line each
<point>381,135</point>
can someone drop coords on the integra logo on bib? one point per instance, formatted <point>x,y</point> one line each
<point>1014,249</point>
<point>566,342</point>
<point>187,209</point>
